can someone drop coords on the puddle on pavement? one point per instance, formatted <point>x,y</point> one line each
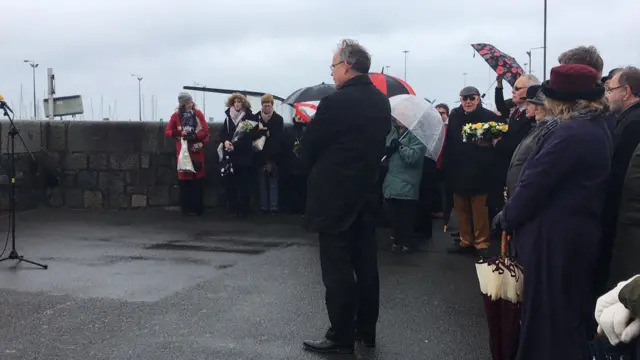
<point>257,249</point>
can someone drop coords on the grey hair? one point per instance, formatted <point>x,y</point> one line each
<point>530,80</point>
<point>630,76</point>
<point>354,54</point>
<point>583,55</point>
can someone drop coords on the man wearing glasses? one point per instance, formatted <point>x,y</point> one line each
<point>620,213</point>
<point>468,168</point>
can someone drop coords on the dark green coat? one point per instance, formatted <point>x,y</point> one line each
<point>405,167</point>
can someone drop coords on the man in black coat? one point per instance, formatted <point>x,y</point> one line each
<point>468,169</point>
<point>343,146</point>
<point>623,93</point>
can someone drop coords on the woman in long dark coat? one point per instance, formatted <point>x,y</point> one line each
<point>554,215</point>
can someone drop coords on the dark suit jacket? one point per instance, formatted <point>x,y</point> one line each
<point>343,146</point>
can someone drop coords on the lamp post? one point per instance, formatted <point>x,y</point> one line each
<point>387,67</point>
<point>544,61</point>
<point>464,76</point>
<point>33,66</point>
<point>139,94</point>
<point>405,63</point>
<point>204,106</point>
<point>529,54</point>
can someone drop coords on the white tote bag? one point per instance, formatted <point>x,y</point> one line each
<point>184,159</point>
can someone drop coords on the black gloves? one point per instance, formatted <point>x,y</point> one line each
<point>393,147</point>
<point>499,220</point>
<point>190,136</point>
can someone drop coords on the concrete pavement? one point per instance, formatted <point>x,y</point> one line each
<point>154,285</point>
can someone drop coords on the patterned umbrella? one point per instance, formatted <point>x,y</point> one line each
<point>500,62</point>
<point>391,85</point>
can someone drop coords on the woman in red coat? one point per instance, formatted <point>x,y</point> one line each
<point>189,123</point>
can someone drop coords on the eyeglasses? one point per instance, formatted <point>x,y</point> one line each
<point>469,98</point>
<point>333,66</point>
<point>609,90</point>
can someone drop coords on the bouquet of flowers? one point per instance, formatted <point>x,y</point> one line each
<point>485,132</point>
<point>243,128</point>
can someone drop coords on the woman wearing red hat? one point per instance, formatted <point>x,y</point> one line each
<point>554,216</point>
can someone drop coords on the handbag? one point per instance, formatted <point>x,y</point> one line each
<point>184,158</point>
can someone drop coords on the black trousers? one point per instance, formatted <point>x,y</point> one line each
<point>294,192</point>
<point>423,221</point>
<point>349,266</point>
<point>495,203</point>
<point>191,196</point>
<point>238,189</point>
<point>401,215</point>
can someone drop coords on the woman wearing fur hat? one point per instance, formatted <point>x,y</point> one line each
<point>238,177</point>
<point>189,123</point>
<point>554,216</point>
<point>269,156</point>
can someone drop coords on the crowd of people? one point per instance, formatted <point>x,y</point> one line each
<point>563,181</point>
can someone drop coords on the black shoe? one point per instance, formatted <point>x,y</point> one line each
<point>455,234</point>
<point>326,346</point>
<point>483,253</point>
<point>366,339</point>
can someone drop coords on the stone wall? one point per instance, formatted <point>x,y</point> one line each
<point>105,164</point>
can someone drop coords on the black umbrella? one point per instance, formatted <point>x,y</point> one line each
<point>311,93</point>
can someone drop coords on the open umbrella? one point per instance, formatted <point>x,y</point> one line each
<point>310,93</point>
<point>500,62</point>
<point>391,85</point>
<point>501,284</point>
<point>422,119</point>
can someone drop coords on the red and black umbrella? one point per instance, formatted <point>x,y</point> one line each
<point>391,85</point>
<point>500,62</point>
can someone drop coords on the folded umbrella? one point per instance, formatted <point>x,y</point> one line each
<point>500,62</point>
<point>501,284</point>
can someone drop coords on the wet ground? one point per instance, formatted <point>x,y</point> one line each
<point>152,285</point>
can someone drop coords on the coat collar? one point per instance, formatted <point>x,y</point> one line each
<point>357,80</point>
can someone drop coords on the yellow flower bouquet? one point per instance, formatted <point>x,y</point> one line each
<point>485,132</point>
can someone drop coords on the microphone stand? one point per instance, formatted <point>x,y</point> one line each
<point>13,255</point>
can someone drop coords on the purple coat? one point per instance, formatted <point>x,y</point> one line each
<point>554,215</point>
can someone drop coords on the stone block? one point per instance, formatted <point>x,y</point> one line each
<point>57,135</point>
<point>166,176</point>
<point>161,160</point>
<point>144,161</point>
<point>88,136</point>
<point>174,194</point>
<point>123,162</point>
<point>69,179</point>
<point>138,201</point>
<point>111,181</point>
<point>159,196</point>
<point>98,161</point>
<point>119,200</point>
<point>55,197</point>
<point>87,180</point>
<point>136,189</point>
<point>75,161</point>
<point>93,200</point>
<point>73,198</point>
<point>30,131</point>
<point>141,178</point>
<point>151,136</point>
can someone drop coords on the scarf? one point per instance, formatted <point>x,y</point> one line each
<point>235,115</point>
<point>188,120</point>
<point>266,117</point>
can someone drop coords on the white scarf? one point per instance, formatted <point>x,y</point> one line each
<point>235,115</point>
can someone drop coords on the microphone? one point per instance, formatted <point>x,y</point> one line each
<point>4,105</point>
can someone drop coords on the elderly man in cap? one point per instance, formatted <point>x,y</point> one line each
<point>467,167</point>
<point>537,111</point>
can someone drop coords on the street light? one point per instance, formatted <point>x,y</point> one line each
<point>139,94</point>
<point>33,66</point>
<point>387,67</point>
<point>464,76</point>
<point>405,63</point>
<point>529,54</point>
<point>544,61</point>
<point>204,106</point>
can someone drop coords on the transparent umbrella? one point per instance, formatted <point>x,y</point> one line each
<point>422,119</point>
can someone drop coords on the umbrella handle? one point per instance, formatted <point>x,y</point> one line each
<point>503,245</point>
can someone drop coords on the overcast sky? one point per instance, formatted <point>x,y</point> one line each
<point>281,45</point>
